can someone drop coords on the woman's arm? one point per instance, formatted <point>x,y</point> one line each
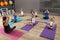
<point>7,20</point>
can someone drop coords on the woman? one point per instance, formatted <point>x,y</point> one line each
<point>7,28</point>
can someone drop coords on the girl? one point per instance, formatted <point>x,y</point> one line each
<point>14,18</point>
<point>32,19</point>
<point>35,11</point>
<point>22,13</point>
<point>7,28</point>
<point>51,23</point>
<point>32,11</point>
<point>46,14</point>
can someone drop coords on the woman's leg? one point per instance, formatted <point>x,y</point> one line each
<point>13,28</point>
<point>10,30</point>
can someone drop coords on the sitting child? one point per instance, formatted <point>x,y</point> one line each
<point>51,23</point>
<point>32,11</point>
<point>22,13</point>
<point>46,14</point>
<point>32,19</point>
<point>7,28</point>
<point>35,11</point>
<point>14,18</point>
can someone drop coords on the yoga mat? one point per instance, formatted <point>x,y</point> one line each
<point>14,35</point>
<point>45,20</point>
<point>29,26</point>
<point>10,23</point>
<point>18,20</point>
<point>48,33</point>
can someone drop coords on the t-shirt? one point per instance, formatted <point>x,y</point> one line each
<point>46,15</point>
<point>35,13</point>
<point>33,20</point>
<point>51,23</point>
<point>22,13</point>
<point>15,17</point>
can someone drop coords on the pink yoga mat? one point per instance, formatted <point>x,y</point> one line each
<point>14,35</point>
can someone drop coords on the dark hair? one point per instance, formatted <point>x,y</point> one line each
<point>4,18</point>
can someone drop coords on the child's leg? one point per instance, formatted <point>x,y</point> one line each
<point>47,17</point>
<point>30,23</point>
<point>15,21</point>
<point>12,20</point>
<point>50,27</point>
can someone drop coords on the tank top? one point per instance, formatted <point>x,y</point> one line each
<point>6,27</point>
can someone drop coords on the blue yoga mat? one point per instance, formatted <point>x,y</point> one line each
<point>18,20</point>
<point>48,33</point>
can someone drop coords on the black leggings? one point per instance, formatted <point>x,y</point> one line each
<point>45,17</point>
<point>7,29</point>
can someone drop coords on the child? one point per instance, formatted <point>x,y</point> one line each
<point>32,11</point>
<point>51,23</point>
<point>7,28</point>
<point>32,19</point>
<point>14,18</point>
<point>46,14</point>
<point>35,11</point>
<point>22,13</point>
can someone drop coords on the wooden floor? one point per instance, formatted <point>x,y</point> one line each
<point>34,33</point>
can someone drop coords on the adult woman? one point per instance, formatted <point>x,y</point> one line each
<point>7,28</point>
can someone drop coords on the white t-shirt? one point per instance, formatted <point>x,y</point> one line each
<point>33,20</point>
<point>22,13</point>
<point>35,13</point>
<point>52,23</point>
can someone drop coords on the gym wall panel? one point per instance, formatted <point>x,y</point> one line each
<point>27,5</point>
<point>52,5</point>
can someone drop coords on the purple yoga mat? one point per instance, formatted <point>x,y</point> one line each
<point>29,26</point>
<point>48,33</point>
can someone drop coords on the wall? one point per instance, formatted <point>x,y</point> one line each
<point>52,5</point>
<point>27,5</point>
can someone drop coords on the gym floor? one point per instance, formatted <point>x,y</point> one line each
<point>34,33</point>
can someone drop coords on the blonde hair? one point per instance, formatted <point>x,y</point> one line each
<point>52,19</point>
